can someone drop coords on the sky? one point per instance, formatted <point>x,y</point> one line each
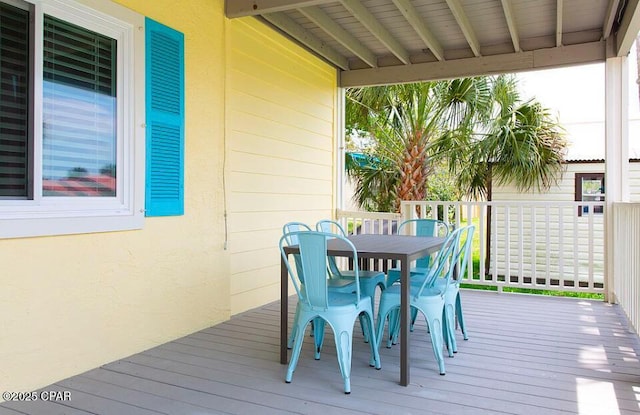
<point>575,96</point>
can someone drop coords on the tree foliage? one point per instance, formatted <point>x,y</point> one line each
<point>473,128</point>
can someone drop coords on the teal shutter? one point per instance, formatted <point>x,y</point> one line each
<point>164,55</point>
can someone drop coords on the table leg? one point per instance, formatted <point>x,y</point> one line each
<point>405,318</point>
<point>284,310</point>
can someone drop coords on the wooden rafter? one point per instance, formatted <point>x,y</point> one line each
<point>413,17</point>
<point>324,22</point>
<point>290,27</point>
<point>629,28</point>
<point>511,24</point>
<point>610,17</point>
<point>372,24</point>
<point>465,26</point>
<point>559,10</point>
<point>241,8</point>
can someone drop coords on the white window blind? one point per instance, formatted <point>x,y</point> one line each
<point>79,111</point>
<point>14,92</point>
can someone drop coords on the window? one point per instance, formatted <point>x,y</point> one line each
<point>79,120</point>
<point>589,187</point>
<point>71,85</point>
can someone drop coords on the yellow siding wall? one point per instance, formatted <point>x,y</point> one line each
<point>280,158</point>
<point>71,303</point>
<point>255,103</point>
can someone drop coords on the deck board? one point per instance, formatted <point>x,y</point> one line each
<point>526,355</point>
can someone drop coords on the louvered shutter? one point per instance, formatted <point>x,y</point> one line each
<point>165,120</point>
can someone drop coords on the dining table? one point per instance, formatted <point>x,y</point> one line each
<point>401,248</point>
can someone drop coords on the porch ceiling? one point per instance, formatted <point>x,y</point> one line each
<point>393,41</point>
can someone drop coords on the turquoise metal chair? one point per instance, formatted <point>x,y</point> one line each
<point>452,303</point>
<point>317,301</point>
<point>427,298</point>
<point>417,227</point>
<point>369,280</point>
<point>336,284</point>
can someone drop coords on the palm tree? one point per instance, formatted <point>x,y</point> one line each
<point>477,127</point>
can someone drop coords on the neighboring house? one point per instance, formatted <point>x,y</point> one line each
<point>579,181</point>
<point>582,180</point>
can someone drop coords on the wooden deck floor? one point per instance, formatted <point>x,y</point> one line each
<point>525,355</point>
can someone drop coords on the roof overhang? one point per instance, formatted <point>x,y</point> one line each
<point>374,42</point>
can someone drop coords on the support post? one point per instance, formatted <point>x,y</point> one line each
<point>616,156</point>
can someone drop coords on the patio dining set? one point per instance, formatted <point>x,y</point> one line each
<point>430,258</point>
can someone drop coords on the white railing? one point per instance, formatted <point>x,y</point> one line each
<point>626,259</point>
<point>556,246</point>
<point>370,222</point>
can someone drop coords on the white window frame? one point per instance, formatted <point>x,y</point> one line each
<point>68,215</point>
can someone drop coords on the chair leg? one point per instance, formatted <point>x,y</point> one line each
<point>364,328</point>
<point>384,312</point>
<point>394,327</point>
<point>448,329</point>
<point>318,336</point>
<point>374,360</point>
<point>343,337</point>
<point>461,317</point>
<point>292,336</point>
<point>368,288</point>
<point>433,316</point>
<point>393,339</point>
<point>297,347</point>
<point>414,315</point>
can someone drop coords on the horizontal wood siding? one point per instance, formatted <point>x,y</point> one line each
<point>564,190</point>
<point>279,150</point>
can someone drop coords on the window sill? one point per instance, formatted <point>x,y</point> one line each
<point>48,226</point>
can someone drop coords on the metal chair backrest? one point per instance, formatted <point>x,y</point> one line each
<point>331,226</point>
<point>313,260</point>
<point>464,252</point>
<point>444,263</point>
<point>424,227</point>
<point>289,229</point>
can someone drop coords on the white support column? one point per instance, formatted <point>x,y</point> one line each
<point>339,174</point>
<point>616,154</point>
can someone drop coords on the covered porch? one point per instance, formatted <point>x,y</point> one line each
<point>525,355</point>
<point>94,297</point>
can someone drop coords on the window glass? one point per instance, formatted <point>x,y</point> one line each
<point>14,103</point>
<point>589,188</point>
<point>79,111</point>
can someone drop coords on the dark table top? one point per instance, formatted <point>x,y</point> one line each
<point>383,246</point>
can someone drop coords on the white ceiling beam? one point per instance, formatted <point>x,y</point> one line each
<point>484,65</point>
<point>511,23</point>
<point>413,17</point>
<point>610,17</point>
<point>629,28</point>
<point>241,8</point>
<point>465,26</point>
<point>559,10</point>
<point>290,27</point>
<point>369,21</point>
<point>324,22</point>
